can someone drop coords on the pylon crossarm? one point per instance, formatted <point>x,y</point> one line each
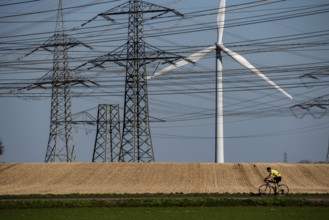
<point>105,15</point>
<point>66,41</point>
<point>145,7</point>
<point>154,54</point>
<point>317,107</point>
<point>124,8</point>
<point>117,56</point>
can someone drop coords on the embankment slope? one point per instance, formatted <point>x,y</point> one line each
<point>94,178</point>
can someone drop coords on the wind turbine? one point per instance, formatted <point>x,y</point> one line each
<point>219,47</point>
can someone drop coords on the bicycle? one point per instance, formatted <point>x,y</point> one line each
<point>266,189</point>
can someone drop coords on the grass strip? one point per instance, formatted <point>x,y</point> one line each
<point>160,202</point>
<point>172,213</point>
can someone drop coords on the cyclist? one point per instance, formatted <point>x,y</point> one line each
<point>277,176</point>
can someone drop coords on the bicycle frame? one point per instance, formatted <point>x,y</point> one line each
<point>272,184</point>
<point>269,185</point>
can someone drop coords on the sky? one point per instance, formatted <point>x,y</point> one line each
<point>286,40</point>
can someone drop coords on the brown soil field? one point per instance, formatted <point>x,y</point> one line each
<point>120,178</point>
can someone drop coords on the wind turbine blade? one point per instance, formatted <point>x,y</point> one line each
<point>240,59</point>
<point>194,57</point>
<point>220,21</point>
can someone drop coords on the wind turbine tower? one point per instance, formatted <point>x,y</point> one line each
<point>219,48</point>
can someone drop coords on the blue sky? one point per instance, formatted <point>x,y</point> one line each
<point>284,39</point>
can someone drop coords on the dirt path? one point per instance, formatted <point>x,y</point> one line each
<point>67,178</point>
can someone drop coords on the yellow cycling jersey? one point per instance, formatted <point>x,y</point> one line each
<point>275,173</point>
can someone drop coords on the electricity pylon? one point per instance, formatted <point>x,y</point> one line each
<point>60,146</point>
<point>317,107</point>
<point>285,157</point>
<point>327,158</point>
<point>108,137</point>
<point>136,143</point>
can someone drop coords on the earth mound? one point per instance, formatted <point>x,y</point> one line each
<point>134,178</point>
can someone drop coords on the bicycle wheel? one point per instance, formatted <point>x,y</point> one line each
<point>265,189</point>
<point>283,189</point>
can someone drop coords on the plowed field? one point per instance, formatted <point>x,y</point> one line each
<point>92,178</point>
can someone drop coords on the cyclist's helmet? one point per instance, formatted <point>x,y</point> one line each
<point>268,168</point>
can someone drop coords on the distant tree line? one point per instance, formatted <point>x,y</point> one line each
<point>308,161</point>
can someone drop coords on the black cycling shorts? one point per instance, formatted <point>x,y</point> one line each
<point>277,179</point>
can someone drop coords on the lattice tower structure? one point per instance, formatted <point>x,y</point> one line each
<point>108,135</point>
<point>317,108</point>
<point>285,157</point>
<point>136,138</point>
<point>60,144</point>
<point>327,158</point>
<point>136,143</point>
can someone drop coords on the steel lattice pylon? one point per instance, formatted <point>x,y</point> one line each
<point>60,144</point>
<point>136,136</point>
<point>327,158</point>
<point>136,143</point>
<point>108,136</point>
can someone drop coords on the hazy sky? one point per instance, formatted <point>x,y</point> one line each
<point>287,40</point>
